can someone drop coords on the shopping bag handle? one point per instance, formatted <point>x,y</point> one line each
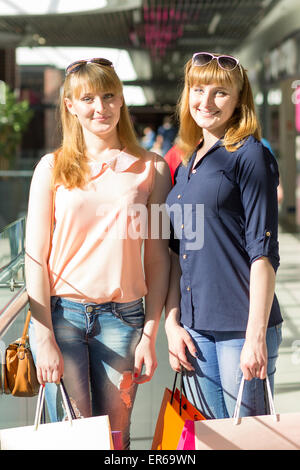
<point>41,400</point>
<point>181,389</point>
<point>181,386</point>
<point>268,396</point>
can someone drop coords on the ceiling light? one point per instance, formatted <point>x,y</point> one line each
<point>32,7</point>
<point>214,23</point>
<point>266,3</point>
<point>60,57</point>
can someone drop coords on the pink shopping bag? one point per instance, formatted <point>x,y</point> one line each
<point>187,438</point>
<point>267,432</point>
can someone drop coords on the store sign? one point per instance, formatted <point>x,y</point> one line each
<point>274,97</point>
<point>281,61</point>
<point>296,101</point>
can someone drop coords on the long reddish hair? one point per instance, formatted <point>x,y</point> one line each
<point>243,122</point>
<point>70,164</point>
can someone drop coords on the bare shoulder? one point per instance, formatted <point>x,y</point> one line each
<point>162,179</point>
<point>47,160</point>
<point>42,176</point>
<point>161,164</point>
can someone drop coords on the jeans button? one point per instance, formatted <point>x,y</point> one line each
<point>89,309</point>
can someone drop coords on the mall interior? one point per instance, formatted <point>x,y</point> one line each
<point>149,41</point>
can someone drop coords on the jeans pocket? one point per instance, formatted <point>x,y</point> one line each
<point>132,316</point>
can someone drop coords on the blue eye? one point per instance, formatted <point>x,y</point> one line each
<point>87,98</point>
<point>107,96</point>
<point>221,92</point>
<point>198,90</point>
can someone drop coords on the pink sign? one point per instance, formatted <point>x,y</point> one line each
<point>297,109</point>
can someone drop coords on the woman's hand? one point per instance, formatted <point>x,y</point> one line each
<point>50,363</point>
<point>179,341</point>
<point>145,355</point>
<point>254,359</point>
<point>254,355</point>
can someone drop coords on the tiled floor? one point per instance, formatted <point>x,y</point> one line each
<point>287,383</point>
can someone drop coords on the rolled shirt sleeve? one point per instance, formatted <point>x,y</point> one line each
<point>258,179</point>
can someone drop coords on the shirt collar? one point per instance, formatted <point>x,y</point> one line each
<point>214,147</point>
<point>122,161</point>
<point>118,163</point>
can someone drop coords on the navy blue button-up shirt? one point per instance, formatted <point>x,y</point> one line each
<point>224,214</point>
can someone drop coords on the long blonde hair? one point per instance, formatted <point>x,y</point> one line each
<point>243,122</point>
<point>71,164</point>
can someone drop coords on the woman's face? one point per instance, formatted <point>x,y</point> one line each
<point>98,113</point>
<point>211,106</point>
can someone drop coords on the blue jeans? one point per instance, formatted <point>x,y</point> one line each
<point>98,343</point>
<point>214,385</point>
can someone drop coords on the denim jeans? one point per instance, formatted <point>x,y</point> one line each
<point>98,343</point>
<point>214,385</point>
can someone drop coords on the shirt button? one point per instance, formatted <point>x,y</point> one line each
<point>188,288</point>
<point>194,171</point>
<point>182,225</point>
<point>268,234</point>
<point>184,256</point>
<point>179,196</point>
<point>89,309</point>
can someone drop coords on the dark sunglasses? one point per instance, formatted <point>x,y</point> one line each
<point>75,66</point>
<point>226,62</point>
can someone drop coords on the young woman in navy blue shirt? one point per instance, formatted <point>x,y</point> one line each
<point>223,320</point>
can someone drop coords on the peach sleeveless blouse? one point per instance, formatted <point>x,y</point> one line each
<point>97,241</point>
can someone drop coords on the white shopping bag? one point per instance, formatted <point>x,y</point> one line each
<point>75,434</point>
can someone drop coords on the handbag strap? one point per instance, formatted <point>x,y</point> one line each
<point>28,316</point>
<point>268,398</point>
<point>24,334</point>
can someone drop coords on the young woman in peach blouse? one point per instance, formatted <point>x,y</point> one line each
<point>86,297</point>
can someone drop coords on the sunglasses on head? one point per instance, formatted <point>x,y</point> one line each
<point>75,66</point>
<point>226,62</point>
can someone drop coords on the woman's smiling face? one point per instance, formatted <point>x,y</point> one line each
<point>98,113</point>
<point>212,105</point>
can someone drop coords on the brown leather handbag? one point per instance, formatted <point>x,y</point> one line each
<point>20,377</point>
<point>19,371</point>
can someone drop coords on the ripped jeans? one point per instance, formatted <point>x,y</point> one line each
<point>98,343</point>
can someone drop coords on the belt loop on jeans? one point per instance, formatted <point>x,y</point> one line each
<point>113,308</point>
<point>53,301</point>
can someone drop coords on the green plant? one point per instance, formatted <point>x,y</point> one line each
<point>14,119</point>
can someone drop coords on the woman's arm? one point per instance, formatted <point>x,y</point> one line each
<point>254,357</point>
<point>178,338</point>
<point>156,266</point>
<point>258,179</point>
<point>49,360</point>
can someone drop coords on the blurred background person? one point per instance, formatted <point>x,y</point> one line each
<point>148,138</point>
<point>168,132</point>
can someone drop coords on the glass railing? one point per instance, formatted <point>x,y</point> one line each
<point>14,193</point>
<point>12,258</point>
<point>14,411</point>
